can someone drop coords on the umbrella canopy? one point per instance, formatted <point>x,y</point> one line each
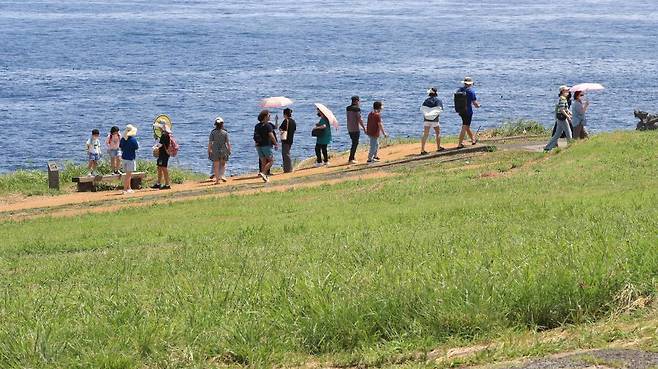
<point>159,123</point>
<point>276,102</point>
<point>587,87</point>
<point>327,113</point>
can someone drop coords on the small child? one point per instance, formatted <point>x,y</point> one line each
<point>93,152</point>
<point>112,144</point>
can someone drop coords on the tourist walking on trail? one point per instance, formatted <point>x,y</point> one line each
<point>562,119</point>
<point>264,139</point>
<point>287,133</point>
<point>219,150</point>
<point>432,108</point>
<point>354,126</point>
<point>112,144</point>
<point>129,147</point>
<point>93,146</point>
<point>465,100</point>
<point>322,131</point>
<point>162,163</point>
<point>578,120</point>
<point>374,129</point>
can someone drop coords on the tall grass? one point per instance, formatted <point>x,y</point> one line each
<point>398,265</point>
<point>519,127</point>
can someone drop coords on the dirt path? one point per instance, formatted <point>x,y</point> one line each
<point>590,359</point>
<point>18,207</point>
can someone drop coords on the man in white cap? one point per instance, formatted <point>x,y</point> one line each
<point>562,118</point>
<point>467,112</point>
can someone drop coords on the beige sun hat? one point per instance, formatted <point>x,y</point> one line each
<point>130,131</point>
<point>468,81</point>
<point>218,120</point>
<point>564,88</point>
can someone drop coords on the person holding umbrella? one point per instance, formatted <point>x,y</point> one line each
<point>578,110</point>
<point>322,131</point>
<point>562,119</point>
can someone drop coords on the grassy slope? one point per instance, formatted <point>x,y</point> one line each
<point>394,266</point>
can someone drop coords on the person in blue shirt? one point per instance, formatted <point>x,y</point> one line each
<point>431,108</point>
<point>467,116</point>
<point>129,146</point>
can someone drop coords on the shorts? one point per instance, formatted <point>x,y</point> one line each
<point>431,123</point>
<point>93,156</point>
<point>129,166</point>
<point>113,153</point>
<point>466,118</point>
<point>163,159</point>
<point>265,152</point>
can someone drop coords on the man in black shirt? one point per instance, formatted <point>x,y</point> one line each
<point>287,128</point>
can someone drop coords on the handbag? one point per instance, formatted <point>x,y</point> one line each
<point>284,134</point>
<point>156,151</point>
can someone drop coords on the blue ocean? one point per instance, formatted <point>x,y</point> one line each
<point>68,66</point>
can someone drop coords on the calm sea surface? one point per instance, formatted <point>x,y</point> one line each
<point>67,67</point>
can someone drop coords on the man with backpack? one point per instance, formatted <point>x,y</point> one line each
<point>465,100</point>
<point>167,147</point>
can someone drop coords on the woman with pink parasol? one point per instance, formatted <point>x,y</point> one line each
<point>580,106</point>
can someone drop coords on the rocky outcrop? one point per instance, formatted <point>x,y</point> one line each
<point>647,121</point>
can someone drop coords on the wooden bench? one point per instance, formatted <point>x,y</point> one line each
<point>89,183</point>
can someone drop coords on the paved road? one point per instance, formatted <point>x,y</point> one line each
<point>599,359</point>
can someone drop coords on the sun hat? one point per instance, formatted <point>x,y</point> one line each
<point>467,81</point>
<point>219,120</point>
<point>432,90</point>
<point>130,131</point>
<point>564,88</point>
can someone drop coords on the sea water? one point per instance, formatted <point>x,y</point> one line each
<point>67,67</point>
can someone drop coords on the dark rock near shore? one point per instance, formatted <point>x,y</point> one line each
<point>647,121</point>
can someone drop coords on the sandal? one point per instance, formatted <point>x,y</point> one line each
<point>461,146</point>
<point>474,142</point>
<point>441,148</point>
<point>424,152</point>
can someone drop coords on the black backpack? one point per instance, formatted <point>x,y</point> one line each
<point>461,101</point>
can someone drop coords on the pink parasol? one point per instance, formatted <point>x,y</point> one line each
<point>327,113</point>
<point>276,102</point>
<point>587,87</point>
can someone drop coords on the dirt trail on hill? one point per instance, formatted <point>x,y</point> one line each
<point>70,204</point>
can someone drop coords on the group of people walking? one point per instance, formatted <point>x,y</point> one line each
<point>268,136</point>
<point>570,121</point>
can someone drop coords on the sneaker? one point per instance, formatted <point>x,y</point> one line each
<point>424,152</point>
<point>120,172</point>
<point>128,191</point>
<point>156,186</point>
<point>441,148</point>
<point>262,176</point>
<point>223,179</point>
<point>318,165</point>
<point>326,164</point>
<point>460,146</point>
<point>165,187</point>
<point>371,161</point>
<point>266,179</point>
<point>376,158</point>
<point>90,174</point>
<point>352,162</point>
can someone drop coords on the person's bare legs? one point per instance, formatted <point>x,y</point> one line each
<point>437,131</point>
<point>165,175</point>
<point>222,169</point>
<point>215,166</point>
<point>423,140</point>
<point>267,164</point>
<point>470,134</point>
<point>126,181</point>
<point>160,175</point>
<point>462,133</point>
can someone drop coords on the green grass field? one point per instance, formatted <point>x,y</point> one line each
<point>353,273</point>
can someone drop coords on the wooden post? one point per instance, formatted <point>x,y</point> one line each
<point>53,176</point>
